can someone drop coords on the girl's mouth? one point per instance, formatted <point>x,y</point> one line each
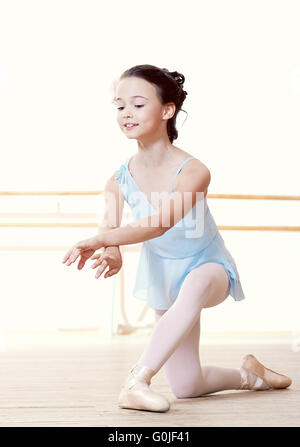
<point>130,126</point>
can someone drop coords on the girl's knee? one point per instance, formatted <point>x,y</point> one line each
<point>187,393</point>
<point>182,395</point>
<point>209,284</point>
<point>199,282</point>
<point>187,389</point>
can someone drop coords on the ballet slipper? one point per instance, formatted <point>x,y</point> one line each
<point>141,397</point>
<point>124,329</point>
<point>271,378</point>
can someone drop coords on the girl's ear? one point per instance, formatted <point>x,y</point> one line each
<point>169,110</point>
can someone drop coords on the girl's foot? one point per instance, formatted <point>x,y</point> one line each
<point>136,392</point>
<point>255,376</point>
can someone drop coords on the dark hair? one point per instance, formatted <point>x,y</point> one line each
<point>169,87</point>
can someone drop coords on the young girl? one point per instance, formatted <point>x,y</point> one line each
<point>181,270</point>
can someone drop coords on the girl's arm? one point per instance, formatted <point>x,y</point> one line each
<point>132,233</point>
<point>138,231</point>
<point>194,180</point>
<point>111,256</point>
<point>114,206</point>
<point>191,183</point>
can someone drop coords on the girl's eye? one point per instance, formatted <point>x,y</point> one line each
<point>137,105</point>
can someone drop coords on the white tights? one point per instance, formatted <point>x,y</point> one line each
<point>174,343</point>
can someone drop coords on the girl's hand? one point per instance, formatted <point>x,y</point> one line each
<point>111,257</point>
<point>85,249</point>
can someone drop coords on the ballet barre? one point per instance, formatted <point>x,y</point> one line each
<point>127,327</point>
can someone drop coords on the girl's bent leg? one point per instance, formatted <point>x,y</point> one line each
<point>175,338</point>
<point>206,286</point>
<point>186,376</point>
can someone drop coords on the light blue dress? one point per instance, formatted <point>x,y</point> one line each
<point>166,260</point>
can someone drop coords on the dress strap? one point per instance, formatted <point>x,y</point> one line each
<point>179,169</point>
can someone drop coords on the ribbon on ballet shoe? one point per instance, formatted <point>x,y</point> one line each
<point>251,381</point>
<point>139,374</point>
<point>260,384</point>
<point>244,384</point>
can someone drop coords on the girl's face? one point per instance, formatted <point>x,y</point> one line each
<point>137,103</point>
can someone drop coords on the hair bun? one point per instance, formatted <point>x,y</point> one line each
<point>175,75</point>
<point>178,77</point>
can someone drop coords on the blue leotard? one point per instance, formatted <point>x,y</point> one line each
<point>166,260</point>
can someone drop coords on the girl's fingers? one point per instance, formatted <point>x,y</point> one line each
<point>111,272</point>
<point>81,263</point>
<point>97,256</point>
<point>68,258</point>
<point>75,251</point>
<point>67,255</point>
<point>98,262</point>
<point>74,256</point>
<point>101,269</point>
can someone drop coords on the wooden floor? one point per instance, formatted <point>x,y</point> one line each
<point>74,378</point>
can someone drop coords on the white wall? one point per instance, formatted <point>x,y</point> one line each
<point>58,131</point>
